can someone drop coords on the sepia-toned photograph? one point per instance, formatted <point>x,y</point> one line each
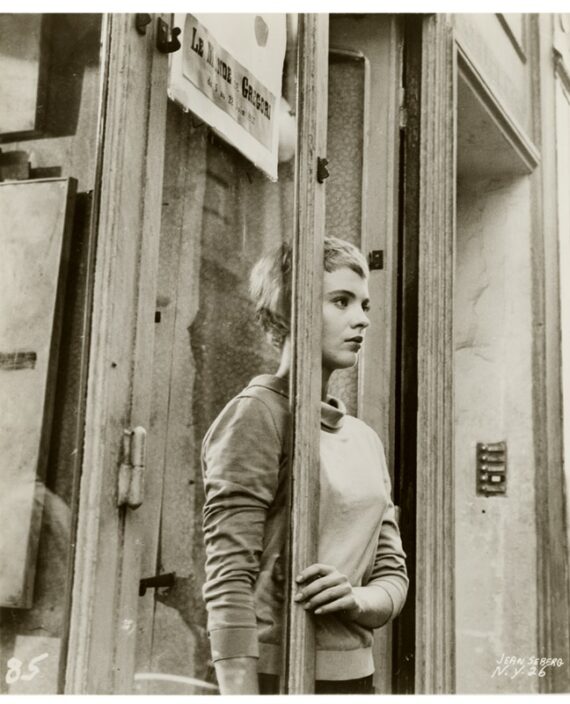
<point>284,353</point>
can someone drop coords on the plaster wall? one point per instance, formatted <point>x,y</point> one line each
<point>496,599</point>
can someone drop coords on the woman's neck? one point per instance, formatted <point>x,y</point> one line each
<point>285,368</point>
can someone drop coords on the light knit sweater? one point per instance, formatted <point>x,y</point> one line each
<point>245,467</point>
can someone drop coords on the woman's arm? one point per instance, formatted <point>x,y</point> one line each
<point>374,607</point>
<point>389,573</point>
<point>237,676</point>
<point>241,462</point>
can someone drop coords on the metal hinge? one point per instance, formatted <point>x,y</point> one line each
<point>166,37</point>
<point>131,472</point>
<point>376,259</point>
<point>322,171</point>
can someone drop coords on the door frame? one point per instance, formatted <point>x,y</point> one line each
<point>424,649</point>
<point>435,536</point>
<point>127,212</point>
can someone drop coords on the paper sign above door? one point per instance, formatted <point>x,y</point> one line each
<point>229,73</point>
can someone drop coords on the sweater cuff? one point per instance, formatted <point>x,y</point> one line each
<point>395,594</point>
<point>234,643</point>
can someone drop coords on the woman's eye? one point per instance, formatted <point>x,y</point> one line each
<point>366,308</point>
<point>341,302</point>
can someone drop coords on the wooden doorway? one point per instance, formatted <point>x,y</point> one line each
<point>365,65</point>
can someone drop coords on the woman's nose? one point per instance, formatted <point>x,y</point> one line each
<point>361,320</point>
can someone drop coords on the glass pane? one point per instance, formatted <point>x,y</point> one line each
<point>344,187</point>
<point>50,79</point>
<point>220,215</point>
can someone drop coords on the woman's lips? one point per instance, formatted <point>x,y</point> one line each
<point>355,343</point>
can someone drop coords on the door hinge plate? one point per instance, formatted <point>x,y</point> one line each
<point>322,170</point>
<point>130,490</point>
<point>376,259</point>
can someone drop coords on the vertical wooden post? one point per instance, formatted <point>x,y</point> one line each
<point>305,380</point>
<point>435,608</point>
<point>141,398</point>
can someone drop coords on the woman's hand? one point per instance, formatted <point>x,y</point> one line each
<point>324,590</point>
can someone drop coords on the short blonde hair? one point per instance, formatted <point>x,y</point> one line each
<point>270,282</point>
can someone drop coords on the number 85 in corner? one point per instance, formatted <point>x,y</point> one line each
<point>15,666</point>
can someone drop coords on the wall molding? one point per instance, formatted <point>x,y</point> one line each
<point>560,68</point>
<point>510,128</point>
<point>517,46</point>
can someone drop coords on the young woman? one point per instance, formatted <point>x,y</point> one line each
<point>359,582</point>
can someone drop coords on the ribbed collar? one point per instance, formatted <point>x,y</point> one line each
<point>333,409</point>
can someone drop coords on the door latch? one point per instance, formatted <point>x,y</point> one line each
<point>160,580</point>
<point>131,471</point>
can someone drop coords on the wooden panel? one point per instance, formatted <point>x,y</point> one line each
<point>218,215</point>
<point>34,233</point>
<point>166,643</point>
<point>305,382</point>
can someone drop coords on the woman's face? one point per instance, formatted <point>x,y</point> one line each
<point>345,303</point>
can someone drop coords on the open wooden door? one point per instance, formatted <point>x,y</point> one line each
<point>219,215</point>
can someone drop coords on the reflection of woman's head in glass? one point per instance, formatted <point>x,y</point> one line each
<point>270,283</point>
